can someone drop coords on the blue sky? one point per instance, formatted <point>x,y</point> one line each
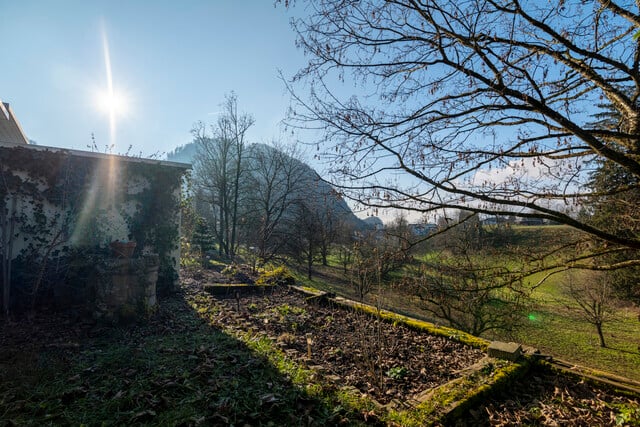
<point>173,62</point>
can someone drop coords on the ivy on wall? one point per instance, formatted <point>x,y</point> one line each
<point>58,224</point>
<point>156,221</point>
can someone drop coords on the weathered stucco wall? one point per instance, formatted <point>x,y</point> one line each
<point>60,209</point>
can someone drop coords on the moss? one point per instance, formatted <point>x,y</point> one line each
<point>277,276</point>
<point>597,378</point>
<point>419,325</point>
<point>227,288</point>
<point>450,402</point>
<point>496,382</point>
<point>430,328</point>
<point>310,289</point>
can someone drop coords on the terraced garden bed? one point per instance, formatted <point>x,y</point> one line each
<point>385,360</point>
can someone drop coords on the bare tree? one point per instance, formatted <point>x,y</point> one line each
<point>218,170</point>
<point>211,181</point>
<point>332,217</point>
<point>373,257</point>
<point>303,241</point>
<point>366,269</point>
<point>594,296</point>
<point>276,182</point>
<point>482,105</point>
<point>470,293</point>
<point>345,256</point>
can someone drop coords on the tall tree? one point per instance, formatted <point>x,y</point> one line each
<point>276,181</point>
<point>211,181</point>
<point>481,105</point>
<point>233,126</point>
<point>613,205</point>
<point>218,169</point>
<point>304,235</point>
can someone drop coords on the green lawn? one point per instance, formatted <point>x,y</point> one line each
<point>555,327</point>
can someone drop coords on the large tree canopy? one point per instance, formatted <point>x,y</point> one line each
<point>484,105</point>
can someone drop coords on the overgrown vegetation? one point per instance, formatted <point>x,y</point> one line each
<point>58,218</point>
<point>539,310</point>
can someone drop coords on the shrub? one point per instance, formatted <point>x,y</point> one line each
<point>278,276</point>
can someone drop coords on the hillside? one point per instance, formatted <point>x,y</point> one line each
<point>321,192</point>
<point>183,154</point>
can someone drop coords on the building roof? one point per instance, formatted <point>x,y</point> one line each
<point>95,155</point>
<point>10,130</point>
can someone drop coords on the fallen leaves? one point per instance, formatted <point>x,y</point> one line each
<point>553,400</point>
<point>352,345</point>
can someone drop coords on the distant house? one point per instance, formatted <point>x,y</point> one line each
<point>61,210</point>
<point>422,229</point>
<point>530,221</point>
<point>499,220</point>
<point>492,220</point>
<point>10,129</point>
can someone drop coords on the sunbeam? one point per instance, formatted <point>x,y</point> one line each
<point>99,209</point>
<point>111,101</point>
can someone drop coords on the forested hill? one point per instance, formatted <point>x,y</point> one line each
<point>320,191</point>
<point>183,154</point>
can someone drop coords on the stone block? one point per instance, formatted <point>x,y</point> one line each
<point>505,350</point>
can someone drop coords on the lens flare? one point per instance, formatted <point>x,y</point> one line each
<point>102,200</point>
<point>109,100</point>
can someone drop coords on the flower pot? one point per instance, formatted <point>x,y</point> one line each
<point>122,249</point>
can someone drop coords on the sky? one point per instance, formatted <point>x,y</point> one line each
<point>171,65</point>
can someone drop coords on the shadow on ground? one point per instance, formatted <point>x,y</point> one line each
<point>173,370</point>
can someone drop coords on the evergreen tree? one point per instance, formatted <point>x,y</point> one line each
<point>613,206</point>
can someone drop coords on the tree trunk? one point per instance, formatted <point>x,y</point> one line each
<point>236,191</point>
<point>7,254</point>
<point>600,334</point>
<point>221,233</point>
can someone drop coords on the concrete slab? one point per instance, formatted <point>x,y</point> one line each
<point>505,350</point>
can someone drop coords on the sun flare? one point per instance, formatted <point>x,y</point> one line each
<point>112,103</point>
<point>110,100</point>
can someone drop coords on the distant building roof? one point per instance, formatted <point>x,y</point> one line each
<point>10,130</point>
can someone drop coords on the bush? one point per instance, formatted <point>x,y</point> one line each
<point>238,273</point>
<point>278,276</point>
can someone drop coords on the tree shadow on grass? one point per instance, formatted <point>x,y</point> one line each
<point>173,370</point>
<point>623,350</point>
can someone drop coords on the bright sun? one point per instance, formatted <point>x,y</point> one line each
<point>112,103</point>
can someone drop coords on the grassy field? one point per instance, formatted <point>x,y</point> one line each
<point>553,323</point>
<point>556,327</point>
